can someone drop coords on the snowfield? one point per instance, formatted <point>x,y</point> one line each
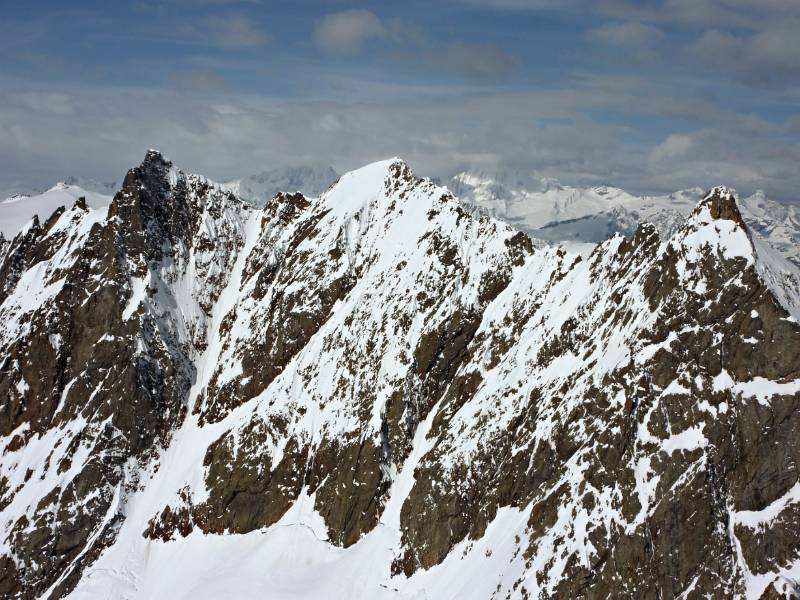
<point>17,211</point>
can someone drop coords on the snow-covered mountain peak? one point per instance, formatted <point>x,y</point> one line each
<point>410,396</point>
<point>722,191</point>
<point>381,183</point>
<point>154,166</point>
<point>155,161</point>
<point>75,185</point>
<point>159,175</point>
<point>716,227</point>
<point>720,203</point>
<point>156,157</point>
<point>716,223</point>
<point>92,185</point>
<point>374,174</point>
<point>496,183</point>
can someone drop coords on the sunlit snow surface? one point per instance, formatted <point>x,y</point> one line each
<point>292,558</point>
<point>17,211</point>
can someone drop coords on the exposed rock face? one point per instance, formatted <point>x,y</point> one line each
<point>4,243</point>
<point>96,367</point>
<point>411,375</point>
<point>639,459</point>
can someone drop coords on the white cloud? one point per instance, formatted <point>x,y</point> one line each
<point>746,14</point>
<point>548,130</point>
<point>474,61</point>
<point>676,146</point>
<point>346,32</point>
<point>770,57</point>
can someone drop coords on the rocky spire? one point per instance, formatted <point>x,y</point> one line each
<point>155,156</point>
<point>721,203</point>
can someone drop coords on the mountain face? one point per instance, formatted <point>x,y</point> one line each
<point>549,211</point>
<point>258,189</point>
<point>376,393</point>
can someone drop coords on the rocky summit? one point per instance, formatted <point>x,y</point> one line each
<point>380,392</point>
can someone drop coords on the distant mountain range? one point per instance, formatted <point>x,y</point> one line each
<point>308,180</point>
<point>547,210</point>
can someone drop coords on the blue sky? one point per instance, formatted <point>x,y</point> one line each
<point>650,95</point>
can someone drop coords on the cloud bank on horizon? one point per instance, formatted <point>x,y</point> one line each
<point>650,95</point>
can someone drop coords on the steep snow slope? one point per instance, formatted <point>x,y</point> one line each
<point>16,211</point>
<point>377,393</point>
<point>778,224</point>
<point>308,180</point>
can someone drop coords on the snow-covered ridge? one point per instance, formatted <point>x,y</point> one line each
<point>376,393</point>
<point>542,207</point>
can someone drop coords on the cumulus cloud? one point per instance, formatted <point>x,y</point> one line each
<point>346,32</point>
<point>770,57</point>
<point>739,156</point>
<point>675,147</point>
<point>638,42</point>
<point>754,40</point>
